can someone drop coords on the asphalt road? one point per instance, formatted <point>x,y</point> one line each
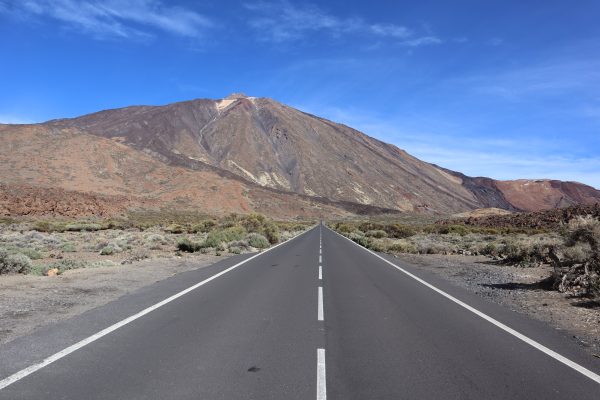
<point>315,317</point>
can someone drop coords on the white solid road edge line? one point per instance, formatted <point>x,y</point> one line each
<point>57,356</point>
<point>320,314</point>
<point>581,369</point>
<point>321,380</point>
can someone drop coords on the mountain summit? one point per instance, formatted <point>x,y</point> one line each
<point>259,142</point>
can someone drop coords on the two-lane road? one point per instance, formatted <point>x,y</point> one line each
<point>315,317</point>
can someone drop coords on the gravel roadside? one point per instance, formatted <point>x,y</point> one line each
<point>28,302</point>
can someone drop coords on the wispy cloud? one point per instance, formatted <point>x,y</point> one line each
<point>551,78</point>
<point>283,21</point>
<point>116,18</point>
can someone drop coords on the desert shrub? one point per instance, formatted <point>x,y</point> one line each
<point>46,226</point>
<point>343,228</point>
<point>82,226</point>
<point>376,245</point>
<point>257,240</point>
<point>271,232</point>
<point>68,247</point>
<point>203,227</point>
<point>257,223</point>
<point>370,226</point>
<point>38,270</point>
<point>398,231</point>
<point>402,247</point>
<point>226,235</point>
<point>490,249</point>
<point>14,263</point>
<point>174,229</point>
<point>110,249</point>
<point>360,239</point>
<point>449,229</point>
<point>378,234</point>
<point>185,244</point>
<point>137,255</point>
<point>253,222</point>
<point>582,275</point>
<point>235,250</point>
<point>155,238</point>
<point>206,250</point>
<point>33,254</point>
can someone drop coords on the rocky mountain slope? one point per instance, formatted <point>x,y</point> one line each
<point>69,173</point>
<point>243,153</point>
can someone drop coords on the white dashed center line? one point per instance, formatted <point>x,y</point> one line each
<point>320,314</point>
<point>321,386</point>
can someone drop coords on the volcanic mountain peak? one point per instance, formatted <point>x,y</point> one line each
<point>258,141</point>
<point>235,96</point>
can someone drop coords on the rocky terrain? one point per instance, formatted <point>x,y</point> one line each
<point>241,154</point>
<point>546,219</point>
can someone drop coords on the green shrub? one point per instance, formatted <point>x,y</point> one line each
<point>257,240</point>
<point>14,263</point>
<point>110,249</point>
<point>33,254</point>
<point>69,248</point>
<point>458,229</point>
<point>226,235</point>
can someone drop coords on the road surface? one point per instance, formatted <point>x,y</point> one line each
<point>316,317</point>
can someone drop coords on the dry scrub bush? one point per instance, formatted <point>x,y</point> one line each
<point>14,263</point>
<point>579,270</point>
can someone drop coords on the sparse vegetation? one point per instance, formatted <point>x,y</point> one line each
<point>39,246</point>
<point>571,249</point>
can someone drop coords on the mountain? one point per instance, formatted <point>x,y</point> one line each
<point>257,153</point>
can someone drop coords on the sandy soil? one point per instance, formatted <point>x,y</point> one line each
<point>519,289</point>
<point>28,301</point>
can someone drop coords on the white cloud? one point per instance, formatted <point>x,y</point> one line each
<point>422,41</point>
<point>283,21</point>
<point>117,18</point>
<point>391,30</point>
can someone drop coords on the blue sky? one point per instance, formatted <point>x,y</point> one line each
<point>507,89</point>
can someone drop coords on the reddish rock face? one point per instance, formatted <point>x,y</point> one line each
<point>244,153</point>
